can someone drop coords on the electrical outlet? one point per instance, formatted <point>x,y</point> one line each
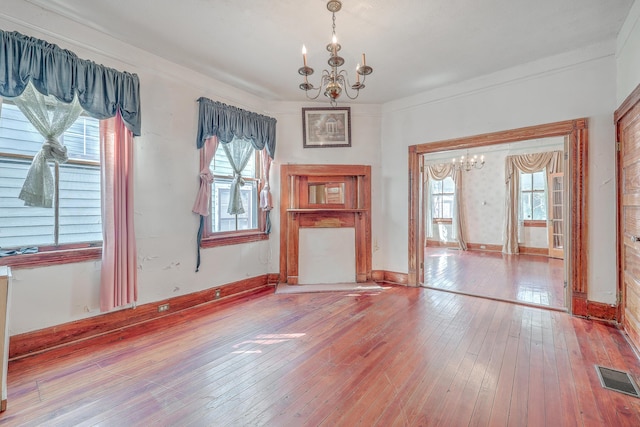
<point>163,307</point>
<point>217,294</point>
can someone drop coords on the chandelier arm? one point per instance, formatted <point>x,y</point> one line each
<point>314,96</point>
<point>343,79</point>
<point>323,81</point>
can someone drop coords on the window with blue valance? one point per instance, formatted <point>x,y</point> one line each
<point>221,123</point>
<point>226,122</point>
<point>101,91</point>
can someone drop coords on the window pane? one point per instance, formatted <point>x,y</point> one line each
<point>21,225</point>
<point>80,216</point>
<point>17,135</point>
<point>538,180</point>
<point>436,187</point>
<point>539,206</point>
<point>447,185</point>
<point>525,206</point>
<point>436,211</point>
<point>221,166</point>
<point>525,182</point>
<point>82,139</point>
<point>447,206</point>
<point>223,221</point>
<point>220,219</point>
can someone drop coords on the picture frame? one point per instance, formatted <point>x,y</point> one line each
<point>326,127</point>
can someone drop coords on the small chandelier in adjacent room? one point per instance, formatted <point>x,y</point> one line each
<point>468,163</point>
<point>335,81</point>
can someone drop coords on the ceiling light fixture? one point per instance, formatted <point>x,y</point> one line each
<point>468,163</point>
<point>335,81</point>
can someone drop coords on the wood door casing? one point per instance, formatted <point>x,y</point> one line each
<point>628,130</point>
<point>577,229</point>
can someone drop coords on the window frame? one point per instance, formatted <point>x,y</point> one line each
<point>530,222</point>
<point>441,194</point>
<point>210,238</point>
<point>54,254</point>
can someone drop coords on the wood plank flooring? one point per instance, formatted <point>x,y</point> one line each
<point>396,357</point>
<point>529,279</point>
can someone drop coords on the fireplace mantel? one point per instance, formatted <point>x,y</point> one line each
<point>324,196</point>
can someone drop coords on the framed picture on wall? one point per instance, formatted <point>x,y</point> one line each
<point>326,127</point>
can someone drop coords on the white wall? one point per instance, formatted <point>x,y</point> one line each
<point>569,86</point>
<point>564,87</point>
<point>166,179</point>
<point>628,54</point>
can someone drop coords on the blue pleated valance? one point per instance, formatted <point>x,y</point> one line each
<point>101,91</point>
<point>227,122</point>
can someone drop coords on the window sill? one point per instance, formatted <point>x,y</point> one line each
<point>442,220</point>
<point>44,259</point>
<point>535,223</point>
<point>233,238</point>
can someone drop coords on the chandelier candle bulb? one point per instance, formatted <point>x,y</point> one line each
<point>304,55</point>
<point>358,74</point>
<point>364,62</point>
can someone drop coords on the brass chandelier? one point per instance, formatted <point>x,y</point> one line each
<point>334,81</point>
<point>468,163</point>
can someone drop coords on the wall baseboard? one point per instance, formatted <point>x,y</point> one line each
<point>534,251</point>
<point>593,310</point>
<point>390,277</point>
<point>439,244</point>
<point>43,339</point>
<point>484,247</point>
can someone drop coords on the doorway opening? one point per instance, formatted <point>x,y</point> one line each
<point>574,230</point>
<point>464,223</point>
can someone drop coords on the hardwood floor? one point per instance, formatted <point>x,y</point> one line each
<point>401,356</point>
<point>529,279</point>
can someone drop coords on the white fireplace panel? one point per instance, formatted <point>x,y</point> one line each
<point>326,255</point>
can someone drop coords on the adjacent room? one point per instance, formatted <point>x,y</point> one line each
<point>319,213</point>
<point>465,236</point>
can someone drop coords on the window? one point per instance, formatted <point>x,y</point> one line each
<point>533,198</point>
<point>442,193</point>
<point>223,225</point>
<point>76,215</point>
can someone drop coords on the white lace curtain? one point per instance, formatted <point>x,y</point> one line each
<point>438,173</point>
<point>51,118</point>
<point>239,152</point>
<point>527,163</point>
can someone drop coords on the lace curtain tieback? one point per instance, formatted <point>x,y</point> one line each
<point>238,179</point>
<point>53,150</point>
<point>235,201</point>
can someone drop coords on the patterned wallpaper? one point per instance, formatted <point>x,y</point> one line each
<point>484,192</point>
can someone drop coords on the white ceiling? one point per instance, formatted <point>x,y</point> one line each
<point>412,45</point>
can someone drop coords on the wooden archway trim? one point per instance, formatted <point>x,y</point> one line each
<point>576,132</point>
